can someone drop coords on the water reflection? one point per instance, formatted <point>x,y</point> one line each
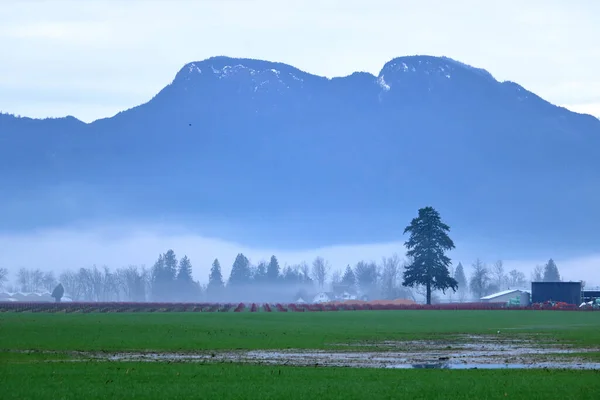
<point>431,366</point>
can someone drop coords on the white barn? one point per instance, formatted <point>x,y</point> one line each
<point>323,297</point>
<point>507,295</point>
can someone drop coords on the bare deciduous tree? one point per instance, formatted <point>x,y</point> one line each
<point>70,282</point>
<point>320,269</point>
<point>336,277</point>
<point>133,283</point>
<point>37,280</point>
<point>49,282</point>
<point>3,276</point>
<point>480,279</point>
<point>390,274</point>
<point>516,279</point>
<point>24,280</point>
<point>499,276</point>
<point>366,276</point>
<point>305,271</point>
<point>538,274</point>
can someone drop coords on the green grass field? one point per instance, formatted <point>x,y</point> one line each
<point>41,375</point>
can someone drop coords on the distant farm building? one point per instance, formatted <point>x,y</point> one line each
<point>515,296</point>
<point>567,292</point>
<point>323,297</point>
<point>347,296</point>
<point>29,297</point>
<point>591,294</point>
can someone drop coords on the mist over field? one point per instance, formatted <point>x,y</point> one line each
<point>115,247</point>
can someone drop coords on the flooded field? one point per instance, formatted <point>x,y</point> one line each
<point>469,352</point>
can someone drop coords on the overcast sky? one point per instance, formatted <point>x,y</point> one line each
<point>92,59</point>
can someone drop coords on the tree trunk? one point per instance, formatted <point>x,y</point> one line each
<point>428,293</point>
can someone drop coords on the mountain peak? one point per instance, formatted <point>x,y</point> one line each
<point>444,67</point>
<point>260,75</point>
<point>222,67</point>
<point>250,140</point>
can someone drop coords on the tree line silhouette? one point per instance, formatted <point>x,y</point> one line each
<point>425,271</point>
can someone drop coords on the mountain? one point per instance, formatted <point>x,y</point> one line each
<point>288,156</point>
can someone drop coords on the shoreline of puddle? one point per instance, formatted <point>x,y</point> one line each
<point>480,352</point>
<point>354,360</point>
<point>477,352</point>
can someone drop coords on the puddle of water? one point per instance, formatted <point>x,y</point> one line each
<point>363,359</point>
<point>551,365</point>
<point>491,352</point>
<point>464,352</point>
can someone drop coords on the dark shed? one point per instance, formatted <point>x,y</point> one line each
<point>568,292</point>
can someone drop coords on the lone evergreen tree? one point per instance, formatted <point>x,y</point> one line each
<point>427,245</point>
<point>551,272</point>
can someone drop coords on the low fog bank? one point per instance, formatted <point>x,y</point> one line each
<point>124,260</point>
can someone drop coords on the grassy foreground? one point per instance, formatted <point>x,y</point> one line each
<point>164,381</point>
<point>200,331</point>
<point>55,376</point>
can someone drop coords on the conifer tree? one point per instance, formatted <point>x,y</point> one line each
<point>186,287</point>
<point>551,272</point>
<point>460,277</point>
<point>240,271</point>
<point>184,273</point>
<point>159,278</point>
<point>260,274</point>
<point>427,245</point>
<point>273,270</point>
<point>349,279</point>
<point>170,264</point>
<point>215,281</point>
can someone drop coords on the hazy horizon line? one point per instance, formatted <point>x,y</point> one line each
<point>73,248</point>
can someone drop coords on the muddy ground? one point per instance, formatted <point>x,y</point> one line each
<point>462,353</point>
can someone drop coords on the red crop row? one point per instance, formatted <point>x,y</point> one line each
<point>253,307</point>
<point>551,305</point>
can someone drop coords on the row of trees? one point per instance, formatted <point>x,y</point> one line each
<point>267,281</point>
<point>171,280</point>
<point>30,280</point>
<point>427,270</point>
<point>485,280</point>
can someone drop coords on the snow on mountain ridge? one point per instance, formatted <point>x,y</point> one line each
<point>265,75</point>
<point>261,77</point>
<point>444,67</point>
<point>381,81</point>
